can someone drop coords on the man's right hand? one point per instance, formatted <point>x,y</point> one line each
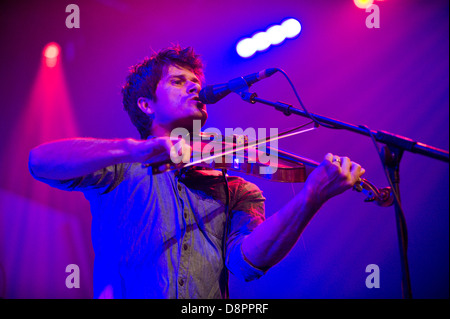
<point>161,153</point>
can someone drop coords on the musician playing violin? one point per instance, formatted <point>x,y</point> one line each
<point>159,232</point>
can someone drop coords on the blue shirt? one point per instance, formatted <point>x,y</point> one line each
<point>162,235</point>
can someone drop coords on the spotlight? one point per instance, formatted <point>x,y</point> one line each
<point>363,4</point>
<point>51,53</point>
<point>274,35</point>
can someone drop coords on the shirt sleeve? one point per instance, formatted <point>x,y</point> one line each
<point>246,214</point>
<point>105,179</point>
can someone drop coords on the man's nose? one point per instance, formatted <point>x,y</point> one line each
<point>193,87</point>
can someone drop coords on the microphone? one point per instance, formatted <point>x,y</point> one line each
<point>211,94</point>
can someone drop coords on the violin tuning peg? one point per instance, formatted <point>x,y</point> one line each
<point>358,187</point>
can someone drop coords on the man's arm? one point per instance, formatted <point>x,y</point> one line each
<point>272,240</point>
<point>71,158</point>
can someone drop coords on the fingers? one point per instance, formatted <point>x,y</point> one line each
<point>346,164</point>
<point>161,168</point>
<point>162,152</point>
<point>329,157</point>
<point>335,160</point>
<point>186,153</point>
<point>351,171</point>
<point>356,171</point>
<point>180,152</point>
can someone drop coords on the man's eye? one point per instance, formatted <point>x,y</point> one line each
<point>177,82</point>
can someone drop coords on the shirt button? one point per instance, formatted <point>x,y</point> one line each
<point>181,282</point>
<point>185,215</point>
<point>179,187</point>
<point>185,246</point>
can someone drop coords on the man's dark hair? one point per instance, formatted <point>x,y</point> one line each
<point>145,76</point>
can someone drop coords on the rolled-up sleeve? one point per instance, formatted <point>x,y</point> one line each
<point>246,214</point>
<point>239,266</point>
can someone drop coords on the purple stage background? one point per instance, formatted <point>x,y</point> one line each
<point>394,78</point>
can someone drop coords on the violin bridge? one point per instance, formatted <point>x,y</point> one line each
<point>236,164</point>
<point>239,141</point>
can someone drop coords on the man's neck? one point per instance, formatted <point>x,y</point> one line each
<point>159,131</point>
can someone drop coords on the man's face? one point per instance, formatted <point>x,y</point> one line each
<point>177,103</point>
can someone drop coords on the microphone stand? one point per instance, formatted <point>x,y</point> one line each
<point>391,155</point>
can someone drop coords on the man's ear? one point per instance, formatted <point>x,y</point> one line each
<point>145,104</point>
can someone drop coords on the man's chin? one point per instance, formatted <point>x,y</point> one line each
<point>204,116</point>
<point>201,115</point>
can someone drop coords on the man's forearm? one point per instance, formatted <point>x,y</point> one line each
<point>71,158</point>
<point>272,240</point>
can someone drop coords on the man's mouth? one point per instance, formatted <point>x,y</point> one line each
<point>200,105</point>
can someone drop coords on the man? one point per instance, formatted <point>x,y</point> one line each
<point>161,233</point>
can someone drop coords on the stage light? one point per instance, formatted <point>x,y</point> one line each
<point>291,28</point>
<point>51,53</point>
<point>245,48</point>
<point>274,35</point>
<point>261,41</point>
<point>363,4</point>
<point>51,50</point>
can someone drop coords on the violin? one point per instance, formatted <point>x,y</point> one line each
<point>238,154</point>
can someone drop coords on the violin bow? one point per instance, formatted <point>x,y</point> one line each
<point>276,137</point>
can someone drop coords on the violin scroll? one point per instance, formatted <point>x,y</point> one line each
<point>382,197</point>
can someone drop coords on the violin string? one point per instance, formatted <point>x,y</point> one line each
<point>255,143</point>
<point>281,134</point>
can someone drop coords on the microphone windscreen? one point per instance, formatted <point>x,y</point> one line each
<point>211,94</point>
